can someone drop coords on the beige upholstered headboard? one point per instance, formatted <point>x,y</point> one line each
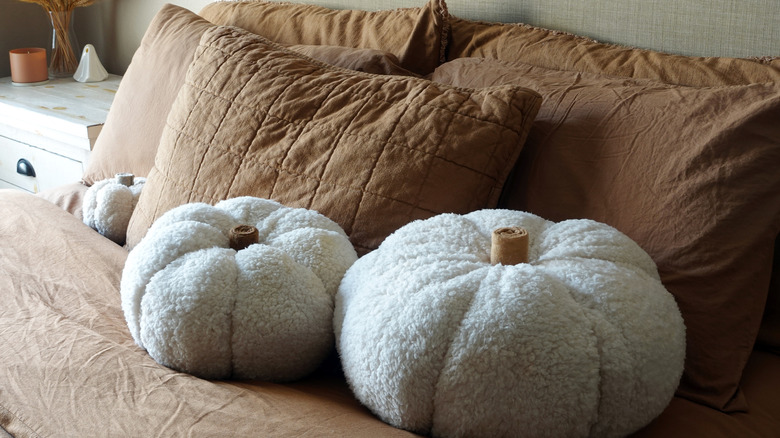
<point>734,28</point>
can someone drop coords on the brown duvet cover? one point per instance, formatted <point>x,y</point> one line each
<point>69,367</point>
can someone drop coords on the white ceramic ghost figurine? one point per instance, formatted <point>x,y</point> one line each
<point>90,69</point>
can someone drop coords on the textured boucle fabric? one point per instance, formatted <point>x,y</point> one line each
<point>108,206</point>
<point>581,341</point>
<point>263,312</point>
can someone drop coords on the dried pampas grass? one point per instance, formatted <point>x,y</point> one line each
<point>60,5</point>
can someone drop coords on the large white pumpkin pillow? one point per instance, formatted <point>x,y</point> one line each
<point>580,339</point>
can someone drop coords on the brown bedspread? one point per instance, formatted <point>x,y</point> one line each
<point>68,366</point>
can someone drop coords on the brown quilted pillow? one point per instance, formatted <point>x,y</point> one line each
<point>370,152</point>
<point>691,174</point>
<point>129,139</point>
<point>417,36</point>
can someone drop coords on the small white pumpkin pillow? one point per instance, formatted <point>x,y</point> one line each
<point>579,338</point>
<point>109,203</point>
<point>242,289</point>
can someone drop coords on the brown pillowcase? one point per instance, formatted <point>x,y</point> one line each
<point>68,197</point>
<point>563,51</point>
<point>365,60</point>
<point>691,174</point>
<point>416,36</point>
<point>371,152</point>
<point>769,335</point>
<point>129,139</point>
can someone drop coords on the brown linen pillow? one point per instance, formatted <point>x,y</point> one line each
<point>417,36</point>
<point>689,173</point>
<point>564,51</point>
<point>371,152</point>
<point>68,197</point>
<point>769,335</point>
<point>365,60</point>
<point>129,139</point>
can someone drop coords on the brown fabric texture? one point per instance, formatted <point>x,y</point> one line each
<point>417,36</point>
<point>686,419</point>
<point>71,369</point>
<point>370,152</point>
<point>68,197</point>
<point>365,60</point>
<point>689,173</point>
<point>769,335</point>
<point>129,139</point>
<point>564,51</point>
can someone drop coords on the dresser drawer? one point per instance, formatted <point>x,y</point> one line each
<point>51,170</point>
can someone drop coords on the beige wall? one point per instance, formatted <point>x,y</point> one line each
<point>21,25</point>
<point>114,27</point>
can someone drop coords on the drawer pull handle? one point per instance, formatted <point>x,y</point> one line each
<point>24,167</point>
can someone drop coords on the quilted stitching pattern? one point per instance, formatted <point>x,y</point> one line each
<point>370,152</point>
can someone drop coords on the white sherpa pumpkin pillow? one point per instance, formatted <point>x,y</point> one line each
<point>109,203</point>
<point>581,339</point>
<point>202,298</point>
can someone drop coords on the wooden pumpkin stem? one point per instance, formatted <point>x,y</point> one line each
<point>126,179</point>
<point>242,236</point>
<point>509,246</point>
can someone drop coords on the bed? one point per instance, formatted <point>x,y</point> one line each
<point>657,118</point>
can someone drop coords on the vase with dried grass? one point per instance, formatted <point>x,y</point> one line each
<point>62,59</point>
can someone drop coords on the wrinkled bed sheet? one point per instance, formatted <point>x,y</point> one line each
<point>69,367</point>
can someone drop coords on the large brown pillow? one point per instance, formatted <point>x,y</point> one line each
<point>129,139</point>
<point>691,174</point>
<point>417,36</point>
<point>564,51</point>
<point>370,152</point>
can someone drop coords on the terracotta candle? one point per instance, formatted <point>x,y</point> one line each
<point>28,65</point>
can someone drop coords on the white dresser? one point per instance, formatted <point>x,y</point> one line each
<point>47,131</point>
